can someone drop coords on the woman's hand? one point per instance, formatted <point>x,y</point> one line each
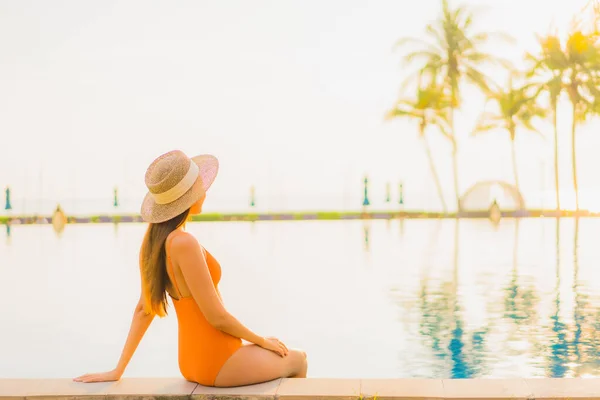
<point>275,345</point>
<point>109,376</point>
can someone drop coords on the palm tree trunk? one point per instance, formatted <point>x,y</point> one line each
<point>574,157</point>
<point>514,162</point>
<point>455,167</point>
<point>455,161</point>
<point>556,168</point>
<point>436,178</point>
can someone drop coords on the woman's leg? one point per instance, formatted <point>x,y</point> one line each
<point>253,364</point>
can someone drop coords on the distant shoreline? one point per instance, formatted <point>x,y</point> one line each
<point>301,216</point>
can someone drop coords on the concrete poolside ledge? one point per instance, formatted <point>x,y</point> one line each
<point>304,389</point>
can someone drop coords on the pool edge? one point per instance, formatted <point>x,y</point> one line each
<point>301,389</point>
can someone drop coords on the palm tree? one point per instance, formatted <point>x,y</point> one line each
<point>590,16</point>
<point>514,108</point>
<point>451,56</point>
<point>573,68</point>
<point>582,57</point>
<point>429,109</point>
<point>546,66</point>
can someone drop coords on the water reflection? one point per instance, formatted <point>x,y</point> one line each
<point>558,354</point>
<point>442,325</point>
<point>466,350</point>
<point>582,352</point>
<point>520,307</point>
<point>573,350</point>
<point>520,299</point>
<point>450,299</point>
<point>366,231</point>
<point>556,345</point>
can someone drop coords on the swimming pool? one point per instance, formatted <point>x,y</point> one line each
<point>365,299</point>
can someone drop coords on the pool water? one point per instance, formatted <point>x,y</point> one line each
<point>365,299</point>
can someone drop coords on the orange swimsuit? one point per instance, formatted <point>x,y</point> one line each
<point>203,349</point>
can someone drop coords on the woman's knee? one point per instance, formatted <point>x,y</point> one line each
<point>298,363</point>
<point>304,365</point>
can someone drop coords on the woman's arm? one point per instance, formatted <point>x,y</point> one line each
<point>192,262</point>
<point>190,259</point>
<point>139,325</point>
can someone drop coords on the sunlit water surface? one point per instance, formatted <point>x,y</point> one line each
<point>419,298</point>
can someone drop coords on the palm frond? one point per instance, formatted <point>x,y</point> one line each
<point>449,54</point>
<point>430,105</point>
<point>484,128</point>
<point>428,58</point>
<point>441,121</point>
<point>424,76</point>
<point>435,33</point>
<point>484,37</point>
<point>398,113</point>
<point>536,65</point>
<point>417,42</point>
<point>479,79</point>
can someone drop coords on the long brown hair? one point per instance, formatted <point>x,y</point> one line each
<point>153,264</point>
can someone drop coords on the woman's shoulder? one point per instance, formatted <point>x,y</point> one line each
<point>181,238</point>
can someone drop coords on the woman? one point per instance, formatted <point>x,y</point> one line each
<point>172,262</point>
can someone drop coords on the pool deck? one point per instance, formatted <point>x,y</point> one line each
<point>304,389</point>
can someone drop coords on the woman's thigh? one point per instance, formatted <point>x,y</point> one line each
<point>252,364</point>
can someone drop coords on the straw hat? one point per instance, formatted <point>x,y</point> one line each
<point>175,182</point>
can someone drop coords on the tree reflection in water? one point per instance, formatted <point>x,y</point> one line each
<point>581,354</point>
<point>520,300</point>
<point>573,351</point>
<point>516,332</point>
<point>558,348</point>
<point>442,325</point>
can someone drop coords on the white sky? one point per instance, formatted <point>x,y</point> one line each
<point>288,94</point>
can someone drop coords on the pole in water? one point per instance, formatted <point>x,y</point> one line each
<point>252,197</point>
<point>7,206</point>
<point>116,197</point>
<point>366,197</point>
